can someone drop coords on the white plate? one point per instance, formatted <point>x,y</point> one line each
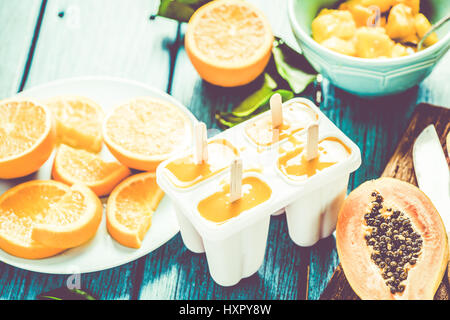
<point>102,252</point>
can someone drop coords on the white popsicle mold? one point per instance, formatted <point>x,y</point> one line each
<point>235,249</point>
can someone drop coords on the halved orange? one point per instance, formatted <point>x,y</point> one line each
<point>27,137</point>
<point>143,132</point>
<point>21,207</point>
<point>78,121</point>
<point>80,166</point>
<point>130,208</point>
<point>229,42</point>
<point>73,220</point>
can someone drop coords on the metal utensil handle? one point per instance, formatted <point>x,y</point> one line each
<point>432,29</point>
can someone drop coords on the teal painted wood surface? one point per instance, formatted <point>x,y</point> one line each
<point>111,38</point>
<point>18,21</point>
<point>117,38</point>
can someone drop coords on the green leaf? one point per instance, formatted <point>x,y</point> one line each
<point>298,75</point>
<point>256,99</point>
<point>180,10</point>
<point>230,119</point>
<point>65,293</point>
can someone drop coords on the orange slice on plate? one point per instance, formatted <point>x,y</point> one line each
<point>229,42</point>
<point>80,166</point>
<point>73,220</point>
<point>78,122</point>
<point>21,207</point>
<point>27,137</point>
<point>130,208</point>
<point>145,131</point>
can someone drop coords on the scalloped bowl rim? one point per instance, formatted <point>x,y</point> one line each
<point>423,54</point>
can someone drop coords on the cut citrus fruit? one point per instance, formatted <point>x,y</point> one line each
<point>27,137</point>
<point>76,165</point>
<point>130,208</point>
<point>21,207</point>
<point>78,122</point>
<point>73,220</point>
<point>229,42</point>
<point>145,131</point>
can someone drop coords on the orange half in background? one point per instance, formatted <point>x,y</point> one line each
<point>229,42</point>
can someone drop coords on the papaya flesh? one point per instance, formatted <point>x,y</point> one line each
<point>391,241</point>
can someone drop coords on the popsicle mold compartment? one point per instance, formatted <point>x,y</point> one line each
<point>184,173</point>
<point>313,215</point>
<point>238,256</point>
<point>191,238</point>
<point>235,249</point>
<point>297,114</point>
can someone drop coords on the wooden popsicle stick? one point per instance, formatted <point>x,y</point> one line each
<point>276,108</point>
<point>312,141</point>
<point>201,143</point>
<point>275,135</point>
<point>236,180</point>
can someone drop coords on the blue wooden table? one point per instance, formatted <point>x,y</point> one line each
<point>44,40</point>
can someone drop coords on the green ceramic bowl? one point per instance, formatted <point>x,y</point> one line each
<point>368,77</point>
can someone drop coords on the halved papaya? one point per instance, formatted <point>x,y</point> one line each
<point>391,241</point>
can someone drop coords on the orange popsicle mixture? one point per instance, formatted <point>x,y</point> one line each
<point>296,117</point>
<point>185,172</point>
<point>294,165</point>
<point>218,208</point>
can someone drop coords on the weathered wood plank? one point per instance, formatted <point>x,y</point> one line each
<point>323,261</point>
<point>18,19</point>
<point>111,38</point>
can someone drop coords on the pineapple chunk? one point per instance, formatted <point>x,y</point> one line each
<point>328,23</point>
<point>413,4</point>
<point>363,16</point>
<point>422,26</point>
<point>384,5</point>
<point>339,45</point>
<point>344,5</point>
<point>373,43</point>
<point>412,38</point>
<point>400,23</point>
<point>400,50</point>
